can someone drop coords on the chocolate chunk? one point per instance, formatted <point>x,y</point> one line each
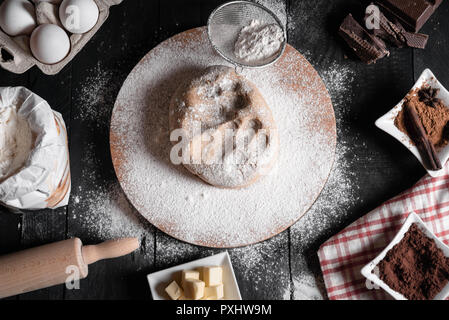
<point>416,40</point>
<point>368,48</point>
<point>413,14</point>
<point>395,33</point>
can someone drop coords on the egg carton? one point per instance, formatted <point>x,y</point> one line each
<point>16,56</point>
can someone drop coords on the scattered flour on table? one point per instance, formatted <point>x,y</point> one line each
<point>329,209</point>
<point>102,208</point>
<point>306,20</point>
<point>339,193</point>
<point>265,267</point>
<point>99,205</point>
<point>96,96</point>
<point>106,213</point>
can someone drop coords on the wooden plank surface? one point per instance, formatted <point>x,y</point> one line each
<point>370,166</point>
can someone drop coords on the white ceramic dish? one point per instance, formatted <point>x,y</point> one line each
<point>160,280</point>
<point>386,122</point>
<point>367,271</point>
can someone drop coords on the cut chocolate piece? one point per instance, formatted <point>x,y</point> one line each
<point>395,33</point>
<point>416,40</point>
<point>368,48</point>
<point>413,14</point>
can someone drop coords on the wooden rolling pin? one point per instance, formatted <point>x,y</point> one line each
<point>46,266</point>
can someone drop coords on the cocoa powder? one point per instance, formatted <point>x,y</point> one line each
<point>434,118</point>
<point>415,267</point>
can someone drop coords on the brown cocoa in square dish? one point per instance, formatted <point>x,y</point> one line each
<point>415,267</point>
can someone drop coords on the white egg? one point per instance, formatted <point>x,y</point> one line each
<point>49,43</point>
<point>51,1</point>
<point>17,17</point>
<point>78,16</point>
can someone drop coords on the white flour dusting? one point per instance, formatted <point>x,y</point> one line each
<point>306,20</point>
<point>264,266</point>
<point>99,205</point>
<point>258,42</point>
<point>330,208</point>
<point>103,209</point>
<point>171,197</point>
<point>96,91</point>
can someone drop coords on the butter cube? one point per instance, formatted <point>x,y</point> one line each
<point>214,292</point>
<point>212,276</point>
<point>200,271</point>
<point>174,291</point>
<point>194,289</point>
<point>189,274</point>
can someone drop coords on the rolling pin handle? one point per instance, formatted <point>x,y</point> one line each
<point>109,249</point>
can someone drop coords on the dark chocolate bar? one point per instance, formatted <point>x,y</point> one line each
<point>396,34</point>
<point>412,14</point>
<point>368,48</point>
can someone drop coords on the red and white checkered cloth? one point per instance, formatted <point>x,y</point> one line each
<point>343,256</point>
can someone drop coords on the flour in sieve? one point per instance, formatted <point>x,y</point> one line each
<point>258,42</point>
<point>278,7</point>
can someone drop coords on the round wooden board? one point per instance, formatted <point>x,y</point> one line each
<point>163,192</point>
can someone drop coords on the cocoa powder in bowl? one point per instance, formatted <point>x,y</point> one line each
<point>415,267</point>
<point>434,115</point>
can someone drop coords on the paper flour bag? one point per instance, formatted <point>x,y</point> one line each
<point>34,156</point>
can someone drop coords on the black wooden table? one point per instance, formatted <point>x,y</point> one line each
<point>370,167</point>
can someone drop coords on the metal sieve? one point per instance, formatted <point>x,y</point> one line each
<point>226,22</point>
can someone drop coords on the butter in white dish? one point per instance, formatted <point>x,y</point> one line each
<point>196,285</point>
<point>159,280</point>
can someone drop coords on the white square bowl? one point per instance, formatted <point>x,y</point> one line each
<point>386,122</point>
<point>158,281</point>
<point>367,271</point>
